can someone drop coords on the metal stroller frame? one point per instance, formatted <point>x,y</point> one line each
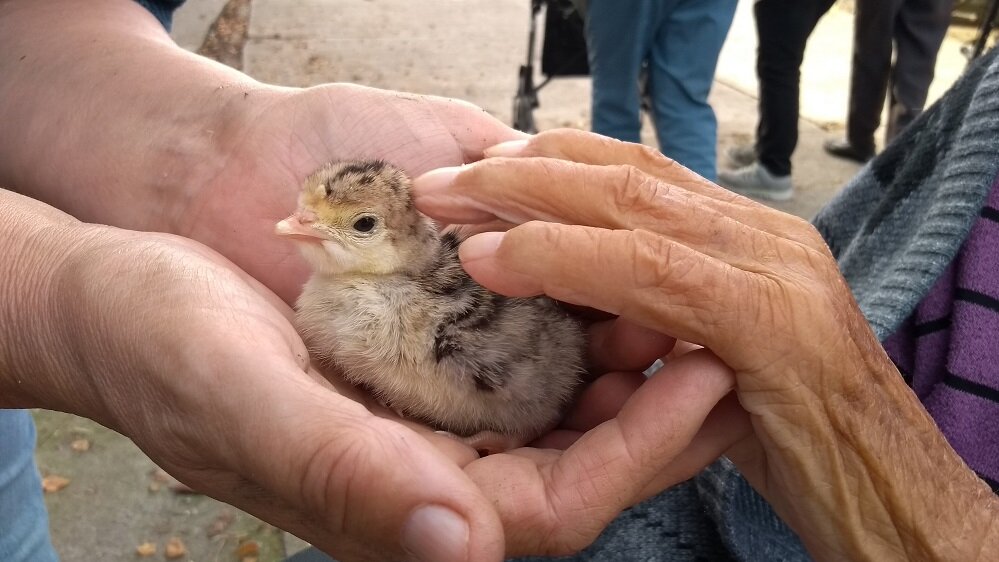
<point>985,29</point>
<point>525,101</point>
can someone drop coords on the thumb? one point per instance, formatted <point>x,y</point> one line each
<point>362,487</point>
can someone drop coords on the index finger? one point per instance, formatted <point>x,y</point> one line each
<point>597,150</point>
<point>590,148</point>
<point>623,186</point>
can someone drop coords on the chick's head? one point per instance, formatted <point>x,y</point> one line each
<point>359,218</point>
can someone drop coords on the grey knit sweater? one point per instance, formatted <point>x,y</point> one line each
<point>894,229</point>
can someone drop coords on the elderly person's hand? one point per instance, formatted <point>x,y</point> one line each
<point>839,444</point>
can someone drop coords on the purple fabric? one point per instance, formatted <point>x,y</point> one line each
<point>948,350</point>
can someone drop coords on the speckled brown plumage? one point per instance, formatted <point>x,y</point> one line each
<point>392,309</point>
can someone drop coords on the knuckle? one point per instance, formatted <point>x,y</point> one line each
<point>674,284</point>
<point>476,174</point>
<point>636,191</point>
<point>569,534</point>
<point>654,261</point>
<point>650,156</point>
<point>536,234</point>
<point>805,232</point>
<point>558,142</point>
<point>335,477</point>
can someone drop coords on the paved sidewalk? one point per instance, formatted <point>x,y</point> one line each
<point>467,49</point>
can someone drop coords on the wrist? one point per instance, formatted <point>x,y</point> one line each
<point>859,469</point>
<point>188,156</point>
<point>37,368</point>
<point>220,154</point>
<point>915,493</point>
<point>108,119</point>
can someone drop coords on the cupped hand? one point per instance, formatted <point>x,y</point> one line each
<point>676,254</point>
<point>274,137</point>
<point>625,440</point>
<point>547,501</point>
<point>200,366</point>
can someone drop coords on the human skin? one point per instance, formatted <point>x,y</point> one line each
<point>111,121</point>
<point>164,340</point>
<point>187,350</point>
<point>839,445</point>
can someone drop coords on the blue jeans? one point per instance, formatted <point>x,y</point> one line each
<point>24,525</point>
<point>679,42</point>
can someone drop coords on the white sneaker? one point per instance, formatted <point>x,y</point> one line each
<point>741,155</point>
<point>755,180</point>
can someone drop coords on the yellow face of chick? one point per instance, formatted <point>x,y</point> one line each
<point>355,218</point>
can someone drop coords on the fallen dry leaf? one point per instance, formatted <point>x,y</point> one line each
<point>175,548</point>
<point>146,549</point>
<point>52,483</point>
<point>80,445</point>
<point>221,523</point>
<point>160,475</point>
<point>248,548</point>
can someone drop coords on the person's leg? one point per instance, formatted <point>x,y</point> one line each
<point>782,28</point>
<point>919,31</point>
<point>24,525</point>
<point>617,34</point>
<point>872,55</point>
<point>681,69</point>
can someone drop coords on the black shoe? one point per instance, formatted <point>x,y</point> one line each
<point>842,148</point>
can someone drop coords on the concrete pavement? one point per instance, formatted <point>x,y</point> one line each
<point>467,49</point>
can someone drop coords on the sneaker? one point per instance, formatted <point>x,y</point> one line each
<point>742,155</point>
<point>755,180</point>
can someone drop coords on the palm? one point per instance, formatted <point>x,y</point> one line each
<point>290,134</point>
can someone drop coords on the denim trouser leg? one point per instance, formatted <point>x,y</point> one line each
<point>682,61</point>
<point>24,525</point>
<point>617,36</point>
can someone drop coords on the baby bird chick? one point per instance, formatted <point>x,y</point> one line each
<point>390,308</point>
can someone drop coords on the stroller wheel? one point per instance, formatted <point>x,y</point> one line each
<point>523,114</point>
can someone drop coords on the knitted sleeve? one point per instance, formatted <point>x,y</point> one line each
<point>900,222</point>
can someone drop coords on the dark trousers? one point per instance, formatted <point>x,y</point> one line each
<point>916,28</point>
<point>782,27</point>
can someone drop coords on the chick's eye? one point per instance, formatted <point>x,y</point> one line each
<point>364,224</point>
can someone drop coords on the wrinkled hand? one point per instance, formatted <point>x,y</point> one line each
<point>275,137</point>
<point>676,254</point>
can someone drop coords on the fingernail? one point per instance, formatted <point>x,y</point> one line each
<point>508,149</point>
<point>480,246</point>
<point>435,533</point>
<point>435,181</point>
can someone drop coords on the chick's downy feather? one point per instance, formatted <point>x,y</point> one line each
<point>390,308</point>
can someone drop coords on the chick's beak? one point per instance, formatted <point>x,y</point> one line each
<point>300,226</point>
